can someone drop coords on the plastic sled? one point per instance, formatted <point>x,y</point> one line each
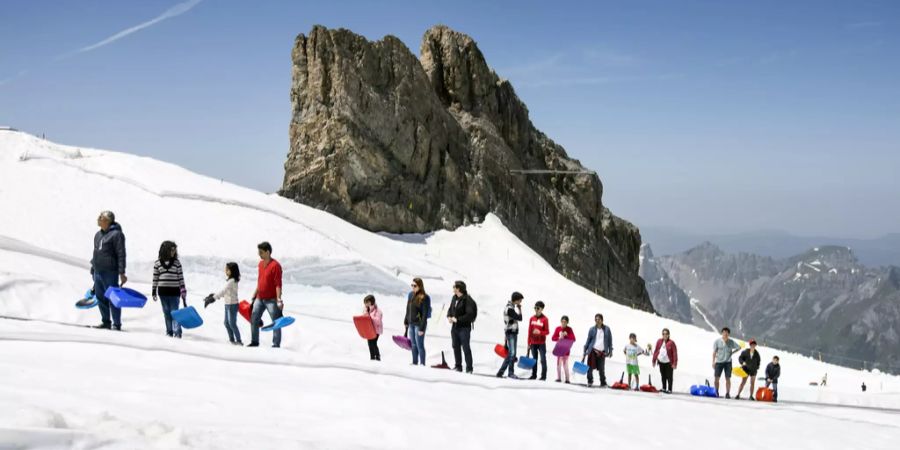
<point>244,308</point>
<point>279,323</point>
<point>620,385</point>
<point>443,364</point>
<point>365,327</point>
<point>580,367</point>
<point>403,342</point>
<point>701,390</point>
<point>89,301</point>
<point>187,317</point>
<point>501,351</point>
<point>765,394</point>
<point>649,387</point>
<point>526,363</point>
<point>125,298</point>
<point>739,372</point>
<point>562,347</point>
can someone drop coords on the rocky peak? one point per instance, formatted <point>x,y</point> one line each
<point>646,251</point>
<point>391,142</point>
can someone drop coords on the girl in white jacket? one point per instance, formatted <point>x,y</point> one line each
<point>230,293</point>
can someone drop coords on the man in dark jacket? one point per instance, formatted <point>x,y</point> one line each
<point>461,314</point>
<point>597,348</point>
<point>108,267</point>
<point>512,315</point>
<point>750,362</point>
<point>773,371</point>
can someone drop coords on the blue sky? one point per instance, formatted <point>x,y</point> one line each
<point>709,116</point>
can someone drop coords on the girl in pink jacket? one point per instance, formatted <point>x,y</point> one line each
<point>374,312</point>
<point>563,331</point>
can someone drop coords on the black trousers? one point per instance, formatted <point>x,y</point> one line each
<point>459,337</point>
<point>539,349</point>
<point>373,348</point>
<point>597,360</point>
<point>665,371</point>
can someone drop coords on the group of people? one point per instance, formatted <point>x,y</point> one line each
<point>597,348</point>
<point>108,270</point>
<point>750,361</point>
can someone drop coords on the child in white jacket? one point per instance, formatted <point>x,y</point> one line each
<point>230,293</point>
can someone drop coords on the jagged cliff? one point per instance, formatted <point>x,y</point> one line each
<point>405,145</point>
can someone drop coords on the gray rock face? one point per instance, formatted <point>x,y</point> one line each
<point>404,145</point>
<point>822,302</point>
<point>668,299</point>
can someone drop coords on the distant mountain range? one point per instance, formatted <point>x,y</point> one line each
<point>881,251</point>
<point>822,302</point>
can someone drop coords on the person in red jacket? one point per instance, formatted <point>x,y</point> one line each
<point>666,355</point>
<point>267,296</point>
<point>538,329</point>
<point>563,331</point>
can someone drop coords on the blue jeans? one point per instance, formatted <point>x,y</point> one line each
<point>418,345</point>
<point>169,304</point>
<point>511,342</point>
<point>231,311</point>
<point>256,316</point>
<point>104,280</point>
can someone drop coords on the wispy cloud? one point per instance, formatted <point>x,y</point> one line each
<point>778,56</point>
<point>610,58</point>
<point>536,67</point>
<point>863,24</point>
<point>597,80</point>
<point>21,74</point>
<point>174,11</point>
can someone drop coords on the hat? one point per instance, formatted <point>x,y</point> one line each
<point>752,341</point>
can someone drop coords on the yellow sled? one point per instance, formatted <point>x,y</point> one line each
<point>739,372</point>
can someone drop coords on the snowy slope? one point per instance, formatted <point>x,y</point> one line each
<point>77,387</point>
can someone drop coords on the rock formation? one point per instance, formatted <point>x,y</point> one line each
<point>398,144</point>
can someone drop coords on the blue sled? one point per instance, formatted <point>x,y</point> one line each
<point>526,362</point>
<point>89,301</point>
<point>187,317</point>
<point>125,298</point>
<point>279,323</point>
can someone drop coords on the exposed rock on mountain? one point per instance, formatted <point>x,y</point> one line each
<point>669,300</point>
<point>820,302</point>
<point>404,145</point>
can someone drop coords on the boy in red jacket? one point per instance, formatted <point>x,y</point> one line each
<point>538,329</point>
<point>563,331</point>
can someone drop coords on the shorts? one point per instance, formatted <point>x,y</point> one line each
<point>633,369</point>
<point>723,367</point>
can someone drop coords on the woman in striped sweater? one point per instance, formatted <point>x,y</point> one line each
<point>168,285</point>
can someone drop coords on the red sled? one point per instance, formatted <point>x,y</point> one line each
<point>365,327</point>
<point>501,351</point>
<point>245,308</point>
<point>649,386</point>
<point>620,385</point>
<point>765,394</point>
<point>443,364</point>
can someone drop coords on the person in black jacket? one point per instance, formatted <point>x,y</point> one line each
<point>512,315</point>
<point>108,267</point>
<point>773,371</point>
<point>418,304</point>
<point>750,362</point>
<point>461,314</point>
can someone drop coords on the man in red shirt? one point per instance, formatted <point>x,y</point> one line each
<point>538,329</point>
<point>267,295</point>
